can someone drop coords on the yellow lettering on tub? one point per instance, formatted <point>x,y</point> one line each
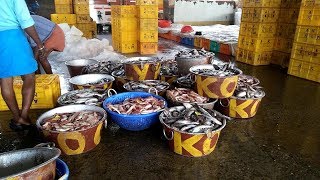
<point>187,144</point>
<point>224,86</point>
<point>202,86</point>
<point>141,73</point>
<point>63,137</point>
<point>97,135</point>
<point>234,108</point>
<point>207,143</point>
<point>254,108</point>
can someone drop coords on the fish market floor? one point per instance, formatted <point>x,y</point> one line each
<point>281,142</point>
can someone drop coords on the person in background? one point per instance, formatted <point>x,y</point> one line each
<point>16,58</point>
<point>52,36</point>
<point>33,6</point>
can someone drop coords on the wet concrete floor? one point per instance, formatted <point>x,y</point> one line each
<point>281,142</point>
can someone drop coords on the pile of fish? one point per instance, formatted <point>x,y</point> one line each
<point>186,81</point>
<point>194,53</point>
<point>193,119</point>
<point>169,68</point>
<point>221,71</point>
<point>118,73</point>
<point>145,86</point>
<point>67,122</point>
<point>138,106</point>
<point>186,96</point>
<point>99,82</point>
<point>104,67</point>
<point>142,61</point>
<point>86,96</point>
<point>247,88</point>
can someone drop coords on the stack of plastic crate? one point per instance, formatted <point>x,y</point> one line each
<point>84,21</point>
<point>305,55</point>
<point>257,31</point>
<point>124,25</point>
<point>148,26</point>
<point>286,29</point>
<point>64,12</point>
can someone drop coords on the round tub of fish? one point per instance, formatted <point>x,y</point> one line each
<point>215,82</point>
<point>103,67</point>
<point>75,129</point>
<point>152,86</point>
<point>85,96</point>
<point>185,82</point>
<point>75,67</point>
<point>120,79</point>
<point>245,101</point>
<point>179,96</point>
<point>92,81</point>
<point>189,58</point>
<point>192,132</point>
<point>169,71</point>
<point>142,68</point>
<point>134,111</point>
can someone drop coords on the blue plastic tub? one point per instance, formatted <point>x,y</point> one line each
<point>62,170</point>
<point>132,122</point>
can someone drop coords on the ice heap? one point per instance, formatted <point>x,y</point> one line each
<point>78,47</point>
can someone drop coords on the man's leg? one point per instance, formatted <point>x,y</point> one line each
<point>36,56</point>
<point>45,63</point>
<point>28,90</point>
<point>10,97</point>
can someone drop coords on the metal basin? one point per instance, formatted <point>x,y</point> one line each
<point>74,142</point>
<point>184,64</point>
<point>142,68</point>
<point>119,82</point>
<point>75,67</point>
<point>151,89</point>
<point>32,163</point>
<point>82,81</point>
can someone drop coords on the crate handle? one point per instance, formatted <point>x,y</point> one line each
<point>110,91</point>
<point>165,135</point>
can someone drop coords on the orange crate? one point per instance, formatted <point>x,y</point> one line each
<point>304,70</point>
<point>148,12</point>
<point>283,45</point>
<point>254,58</point>
<point>47,92</point>
<point>308,34</point>
<point>148,36</point>
<point>148,24</point>
<point>309,17</point>
<point>206,44</point>
<point>225,49</point>
<point>280,58</point>
<point>126,47</point>
<point>63,9</point>
<point>289,15</point>
<point>148,48</point>
<point>258,29</point>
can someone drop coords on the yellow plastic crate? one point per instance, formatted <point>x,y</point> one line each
<point>121,11</point>
<point>148,11</point>
<point>260,15</point>
<point>84,18</point>
<point>46,93</point>
<point>261,3</point>
<point>85,27</point>
<point>258,29</point>
<point>254,58</point>
<point>148,48</point>
<point>286,30</point>
<point>289,15</point>
<point>63,9</point>
<point>290,4</point>
<point>280,58</point>
<point>309,17</point>
<point>283,45</point>
<point>81,9</point>
<point>308,34</point>
<point>123,36</point>
<point>85,2</point>
<point>148,36</point>
<point>66,2</point>
<point>148,24</point>
<point>304,70</point>
<point>71,19</point>
<point>310,4</point>
<point>197,42</point>
<point>89,34</point>
<point>126,47</point>
<point>147,2</point>
<point>125,24</point>
<point>256,44</point>
<point>306,53</point>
